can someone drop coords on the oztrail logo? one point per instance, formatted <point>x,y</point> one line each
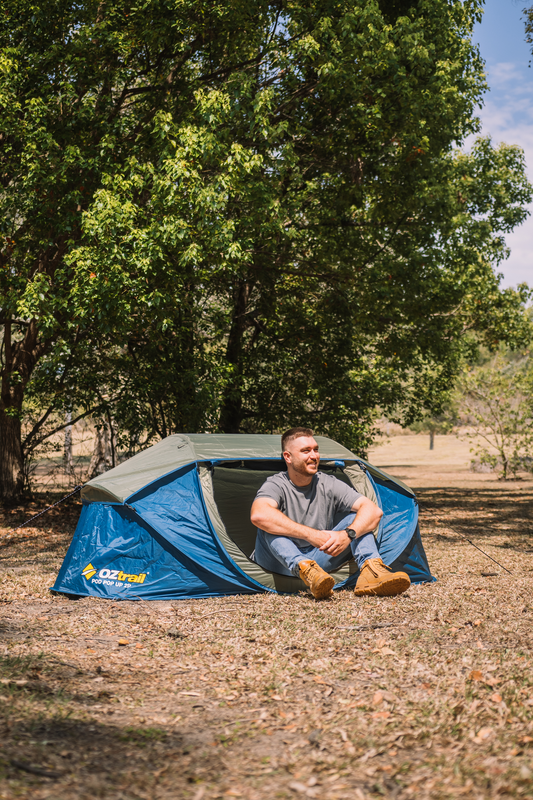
<point>112,577</point>
<point>89,571</point>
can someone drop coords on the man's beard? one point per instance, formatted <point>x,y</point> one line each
<point>301,468</point>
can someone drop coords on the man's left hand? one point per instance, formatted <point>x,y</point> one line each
<point>336,544</point>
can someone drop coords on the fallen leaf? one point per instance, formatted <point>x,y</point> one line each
<point>369,754</point>
<point>496,698</point>
<point>10,682</point>
<point>386,651</point>
<point>477,622</point>
<point>380,715</point>
<point>296,786</point>
<point>526,739</point>
<point>483,734</point>
<point>377,699</point>
<point>123,642</point>
<point>476,675</point>
<point>328,691</point>
<point>191,694</point>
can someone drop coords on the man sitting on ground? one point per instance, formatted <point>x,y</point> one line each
<point>295,514</point>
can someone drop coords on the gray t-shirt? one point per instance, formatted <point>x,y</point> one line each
<point>320,505</point>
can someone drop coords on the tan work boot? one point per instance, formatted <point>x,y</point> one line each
<point>378,580</point>
<point>320,583</point>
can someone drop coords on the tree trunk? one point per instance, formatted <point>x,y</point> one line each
<point>431,440</point>
<point>11,459</point>
<point>505,465</point>
<point>231,411</point>
<point>67,446</point>
<point>20,358</point>
<point>102,458</point>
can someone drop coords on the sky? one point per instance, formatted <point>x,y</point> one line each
<point>507,113</point>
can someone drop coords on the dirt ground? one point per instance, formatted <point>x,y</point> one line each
<point>429,695</point>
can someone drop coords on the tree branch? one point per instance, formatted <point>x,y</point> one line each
<point>55,430</point>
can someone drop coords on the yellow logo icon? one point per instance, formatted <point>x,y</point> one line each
<point>89,571</point>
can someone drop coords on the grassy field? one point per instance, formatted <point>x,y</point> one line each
<point>429,695</point>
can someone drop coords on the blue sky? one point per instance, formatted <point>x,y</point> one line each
<point>507,114</point>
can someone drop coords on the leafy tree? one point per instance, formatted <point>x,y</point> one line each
<point>438,423</point>
<point>496,396</point>
<point>235,215</point>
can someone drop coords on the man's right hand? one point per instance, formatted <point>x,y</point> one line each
<point>318,538</point>
<point>337,543</point>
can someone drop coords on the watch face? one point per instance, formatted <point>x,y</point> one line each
<point>351,533</point>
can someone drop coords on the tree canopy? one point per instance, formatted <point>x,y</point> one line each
<point>240,215</point>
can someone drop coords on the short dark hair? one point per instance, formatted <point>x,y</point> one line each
<point>294,433</point>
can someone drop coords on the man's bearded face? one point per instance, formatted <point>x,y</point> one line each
<point>303,455</point>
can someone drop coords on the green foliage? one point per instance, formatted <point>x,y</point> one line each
<point>442,423</point>
<point>496,396</point>
<point>241,215</point>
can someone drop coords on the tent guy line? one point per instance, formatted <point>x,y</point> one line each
<point>48,508</point>
<point>447,525</point>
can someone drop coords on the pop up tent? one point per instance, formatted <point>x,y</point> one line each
<point>174,521</point>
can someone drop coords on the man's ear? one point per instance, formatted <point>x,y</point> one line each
<point>287,456</point>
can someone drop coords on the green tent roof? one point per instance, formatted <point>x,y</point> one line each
<point>168,455</point>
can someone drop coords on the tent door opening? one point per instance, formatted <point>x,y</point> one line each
<point>234,490</point>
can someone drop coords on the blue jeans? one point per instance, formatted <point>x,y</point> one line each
<point>283,555</point>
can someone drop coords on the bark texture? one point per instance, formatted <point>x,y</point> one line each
<point>102,458</point>
<point>11,459</point>
<point>20,355</point>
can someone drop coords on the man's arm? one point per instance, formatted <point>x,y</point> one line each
<point>266,515</point>
<point>368,515</point>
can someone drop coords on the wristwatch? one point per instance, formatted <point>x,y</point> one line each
<point>351,533</point>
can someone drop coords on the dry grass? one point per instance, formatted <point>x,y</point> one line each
<point>429,695</point>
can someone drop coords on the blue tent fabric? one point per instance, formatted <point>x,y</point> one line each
<point>166,536</point>
<point>161,543</point>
